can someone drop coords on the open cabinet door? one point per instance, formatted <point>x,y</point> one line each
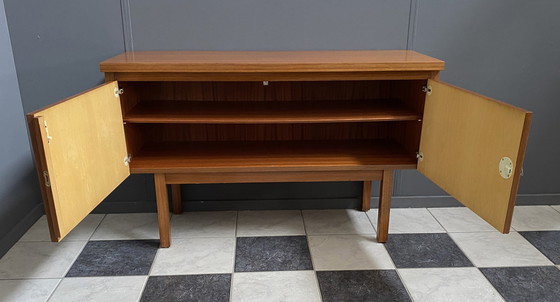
<point>80,154</point>
<point>473,148</point>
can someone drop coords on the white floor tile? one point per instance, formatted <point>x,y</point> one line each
<point>275,286</point>
<point>127,226</point>
<point>37,290</point>
<point>557,208</point>
<point>204,224</point>
<point>407,221</point>
<point>493,249</point>
<point>106,289</point>
<point>460,219</point>
<point>448,284</point>
<point>39,259</point>
<point>535,218</point>
<point>324,222</point>
<point>269,223</point>
<point>195,256</point>
<point>40,230</point>
<point>348,252</point>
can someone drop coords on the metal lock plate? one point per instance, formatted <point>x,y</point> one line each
<point>505,167</point>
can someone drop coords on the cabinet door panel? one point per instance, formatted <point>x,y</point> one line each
<point>464,138</point>
<point>79,149</point>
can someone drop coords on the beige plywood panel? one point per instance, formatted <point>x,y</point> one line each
<point>83,150</point>
<point>464,138</point>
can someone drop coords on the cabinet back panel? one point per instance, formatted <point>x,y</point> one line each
<point>257,91</point>
<point>259,132</point>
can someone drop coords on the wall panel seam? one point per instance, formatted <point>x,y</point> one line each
<point>127,25</point>
<point>412,24</point>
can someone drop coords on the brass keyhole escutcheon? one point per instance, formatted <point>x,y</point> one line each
<point>506,167</point>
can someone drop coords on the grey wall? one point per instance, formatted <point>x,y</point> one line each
<point>20,200</point>
<point>505,49</point>
<point>509,50</point>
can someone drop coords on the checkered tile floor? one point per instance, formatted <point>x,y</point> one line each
<point>436,254</point>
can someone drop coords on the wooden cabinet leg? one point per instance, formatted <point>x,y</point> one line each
<point>162,201</point>
<point>176,202</point>
<point>366,195</point>
<point>384,206</point>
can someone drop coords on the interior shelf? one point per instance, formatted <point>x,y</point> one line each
<point>253,156</point>
<point>269,112</point>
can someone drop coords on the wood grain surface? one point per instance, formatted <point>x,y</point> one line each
<point>464,137</point>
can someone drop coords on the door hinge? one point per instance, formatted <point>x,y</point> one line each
<point>420,156</point>
<point>127,159</point>
<point>49,138</point>
<point>118,91</point>
<point>427,89</point>
<point>47,178</point>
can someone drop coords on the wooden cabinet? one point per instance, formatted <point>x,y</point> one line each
<point>237,117</point>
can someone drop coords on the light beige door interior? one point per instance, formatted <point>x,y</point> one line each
<point>473,148</point>
<point>80,152</point>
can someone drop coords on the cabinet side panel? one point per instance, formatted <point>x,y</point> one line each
<point>464,138</point>
<point>410,93</point>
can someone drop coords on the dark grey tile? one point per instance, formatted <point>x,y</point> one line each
<point>377,285</point>
<point>425,250</point>
<point>283,253</point>
<point>537,283</point>
<point>115,258</point>
<point>548,242</point>
<point>211,288</point>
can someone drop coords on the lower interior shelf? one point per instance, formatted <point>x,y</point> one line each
<point>253,156</point>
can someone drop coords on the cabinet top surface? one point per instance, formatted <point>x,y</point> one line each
<point>271,61</point>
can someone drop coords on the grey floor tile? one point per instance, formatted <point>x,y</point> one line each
<point>448,284</point>
<point>547,242</point>
<point>535,218</point>
<point>461,219</point>
<point>199,288</point>
<point>409,221</point>
<point>127,227</point>
<point>83,231</point>
<point>115,258</point>
<point>204,224</point>
<point>30,290</point>
<point>106,289</point>
<point>537,283</point>
<point>294,286</point>
<point>348,252</point>
<point>493,249</point>
<point>282,253</point>
<point>270,223</point>
<point>376,285</point>
<point>331,222</point>
<point>195,256</point>
<point>425,250</point>
<point>39,259</point>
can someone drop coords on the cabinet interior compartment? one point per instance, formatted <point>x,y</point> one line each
<point>214,126</point>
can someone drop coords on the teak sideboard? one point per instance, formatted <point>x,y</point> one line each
<point>192,117</point>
